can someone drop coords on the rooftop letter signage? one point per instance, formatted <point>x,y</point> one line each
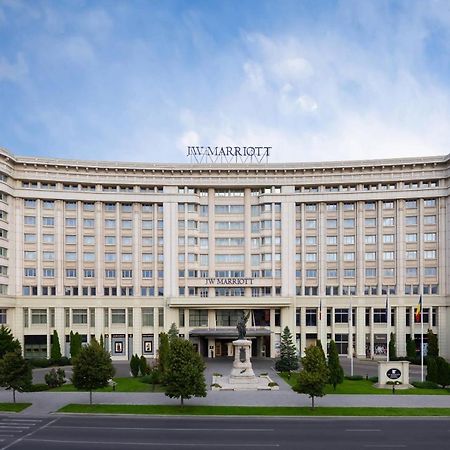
<point>228,154</point>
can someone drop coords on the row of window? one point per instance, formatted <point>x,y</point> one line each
<point>124,291</point>
<point>90,256</point>
<point>70,222</point>
<point>369,222</point>
<point>370,272</point>
<point>90,206</point>
<point>90,273</point>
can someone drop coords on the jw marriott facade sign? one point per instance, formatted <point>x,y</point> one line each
<point>228,154</point>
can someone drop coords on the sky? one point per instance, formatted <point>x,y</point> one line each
<point>140,80</point>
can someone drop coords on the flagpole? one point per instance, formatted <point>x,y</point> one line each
<point>421,338</point>
<point>388,327</point>
<point>350,336</point>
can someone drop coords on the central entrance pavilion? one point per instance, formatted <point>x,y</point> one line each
<point>217,342</point>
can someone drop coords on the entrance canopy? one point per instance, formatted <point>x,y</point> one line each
<point>228,333</point>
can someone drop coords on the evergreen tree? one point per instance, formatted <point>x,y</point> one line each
<point>55,378</point>
<point>433,345</point>
<point>15,373</point>
<point>443,372</point>
<point>334,366</point>
<point>102,344</point>
<point>143,366</point>
<point>319,346</point>
<point>92,368</point>
<point>55,349</point>
<point>411,349</point>
<point>288,353</point>
<point>134,365</point>
<point>314,375</point>
<point>7,342</point>
<point>173,333</point>
<point>392,347</point>
<point>75,344</point>
<point>185,377</point>
<point>432,369</point>
<point>163,353</point>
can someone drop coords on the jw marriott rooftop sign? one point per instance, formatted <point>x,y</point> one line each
<point>228,154</point>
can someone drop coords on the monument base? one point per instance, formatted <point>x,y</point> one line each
<point>393,373</point>
<point>242,376</point>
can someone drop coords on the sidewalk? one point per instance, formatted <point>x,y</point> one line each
<point>45,403</point>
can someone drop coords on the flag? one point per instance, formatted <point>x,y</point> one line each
<point>387,303</point>
<point>320,310</point>
<point>419,309</point>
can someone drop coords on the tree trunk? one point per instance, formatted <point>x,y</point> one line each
<point>182,401</point>
<point>14,395</point>
<point>312,402</point>
<point>90,397</point>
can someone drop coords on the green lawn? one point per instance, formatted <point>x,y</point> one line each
<point>251,410</point>
<point>366,387</point>
<point>123,385</point>
<point>13,407</point>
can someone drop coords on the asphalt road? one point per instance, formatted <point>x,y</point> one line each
<point>220,433</point>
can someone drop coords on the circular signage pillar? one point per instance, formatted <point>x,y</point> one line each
<point>393,372</point>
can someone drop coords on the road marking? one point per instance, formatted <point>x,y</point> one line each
<point>21,420</point>
<point>15,426</point>
<point>251,430</point>
<point>152,444</point>
<point>29,434</point>
<point>362,430</point>
<point>385,445</point>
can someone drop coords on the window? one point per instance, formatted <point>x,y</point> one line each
<point>48,238</point>
<point>311,257</point>
<point>38,316</point>
<point>311,317</point>
<point>79,316</point>
<point>29,238</point>
<point>110,223</point>
<point>29,220</point>
<point>71,222</point>
<point>110,240</point>
<point>88,223</point>
<point>411,254</point>
<point>71,239</point>
<point>89,273</point>
<point>429,237</point>
<point>379,315</point>
<point>388,238</point>
<point>368,206</point>
<point>349,256</point>
<point>48,272</point>
<point>411,237</point>
<point>370,222</point>
<point>429,202</point>
<point>388,205</point>
<point>331,257</point>
<point>331,273</point>
<point>370,239</point>
<point>388,256</point>
<point>341,315</point>
<point>147,317</point>
<point>388,222</point>
<point>311,224</point>
<point>349,240</point>
<point>389,272</point>
<point>429,220</point>
<point>71,273</point>
<point>371,272</point>
<point>331,207</point>
<point>88,257</point>
<point>48,221</point>
<point>30,272</point>
<point>88,240</point>
<point>429,254</point>
<point>370,256</point>
<point>411,272</point>
<point>110,257</point>
<point>71,206</point>
<point>70,256</point>
<point>349,223</point>
<point>127,224</point>
<point>331,223</point>
<point>331,240</point>
<point>28,256</point>
<point>117,316</point>
<point>411,204</point>
<point>349,273</point>
<point>198,318</point>
<point>411,220</point>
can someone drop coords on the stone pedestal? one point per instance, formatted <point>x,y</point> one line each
<point>242,371</point>
<point>242,376</point>
<point>393,372</point>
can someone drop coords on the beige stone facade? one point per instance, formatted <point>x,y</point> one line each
<point>125,249</point>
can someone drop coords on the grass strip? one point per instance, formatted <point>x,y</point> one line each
<point>13,407</point>
<point>189,410</point>
<point>366,387</point>
<point>124,384</point>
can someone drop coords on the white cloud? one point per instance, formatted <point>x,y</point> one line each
<point>13,71</point>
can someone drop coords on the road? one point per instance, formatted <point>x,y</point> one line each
<point>221,433</point>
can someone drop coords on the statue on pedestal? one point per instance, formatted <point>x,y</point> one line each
<point>242,326</point>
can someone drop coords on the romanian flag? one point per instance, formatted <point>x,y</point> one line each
<point>320,310</point>
<point>419,309</point>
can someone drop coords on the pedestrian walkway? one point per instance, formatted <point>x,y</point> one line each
<point>45,403</point>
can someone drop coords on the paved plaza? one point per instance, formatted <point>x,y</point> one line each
<point>45,403</point>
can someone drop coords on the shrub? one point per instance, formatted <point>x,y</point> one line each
<point>272,384</point>
<point>144,369</point>
<point>55,378</point>
<point>373,379</point>
<point>64,361</point>
<point>425,385</point>
<point>39,387</point>
<point>154,377</point>
<point>354,377</point>
<point>134,365</point>
<point>40,363</point>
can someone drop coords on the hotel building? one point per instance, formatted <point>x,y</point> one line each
<point>124,250</point>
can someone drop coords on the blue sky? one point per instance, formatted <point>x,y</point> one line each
<point>139,80</point>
